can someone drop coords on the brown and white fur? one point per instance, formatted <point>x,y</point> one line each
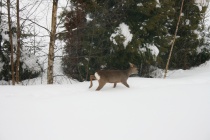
<point>113,76</point>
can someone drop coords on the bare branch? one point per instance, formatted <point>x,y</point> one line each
<point>37,24</point>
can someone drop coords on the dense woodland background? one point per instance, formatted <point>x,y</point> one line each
<point>101,34</point>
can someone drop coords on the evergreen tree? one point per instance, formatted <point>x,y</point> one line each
<point>87,40</point>
<point>185,49</point>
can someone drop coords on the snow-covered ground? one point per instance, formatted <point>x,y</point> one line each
<point>176,108</point>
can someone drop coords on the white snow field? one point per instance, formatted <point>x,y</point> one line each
<point>176,108</point>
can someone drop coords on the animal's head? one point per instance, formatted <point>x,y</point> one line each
<point>133,69</point>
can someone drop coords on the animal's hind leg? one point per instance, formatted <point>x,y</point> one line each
<point>100,86</point>
<point>92,77</point>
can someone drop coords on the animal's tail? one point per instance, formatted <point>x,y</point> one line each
<point>92,77</point>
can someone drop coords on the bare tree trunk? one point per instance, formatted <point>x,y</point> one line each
<point>18,45</point>
<point>11,42</point>
<point>174,39</point>
<point>52,43</point>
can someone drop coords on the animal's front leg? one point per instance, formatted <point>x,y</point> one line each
<point>115,84</point>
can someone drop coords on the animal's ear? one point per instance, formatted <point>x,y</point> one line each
<point>131,65</point>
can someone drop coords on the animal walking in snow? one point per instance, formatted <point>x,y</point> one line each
<point>113,76</point>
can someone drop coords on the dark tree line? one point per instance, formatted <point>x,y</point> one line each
<point>89,25</point>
